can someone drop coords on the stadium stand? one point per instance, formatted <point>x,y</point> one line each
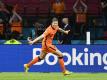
<point>36,10</point>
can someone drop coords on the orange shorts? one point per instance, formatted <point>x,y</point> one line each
<point>49,48</point>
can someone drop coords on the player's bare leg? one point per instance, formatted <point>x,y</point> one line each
<point>61,62</point>
<point>35,60</point>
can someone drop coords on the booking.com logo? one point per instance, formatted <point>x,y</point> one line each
<point>74,58</point>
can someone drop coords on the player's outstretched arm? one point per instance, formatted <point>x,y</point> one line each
<point>36,40</point>
<point>63,31</point>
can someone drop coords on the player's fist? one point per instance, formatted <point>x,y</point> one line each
<point>66,32</point>
<point>29,40</point>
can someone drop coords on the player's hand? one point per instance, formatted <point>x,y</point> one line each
<point>66,32</point>
<point>30,40</point>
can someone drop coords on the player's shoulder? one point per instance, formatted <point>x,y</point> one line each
<point>49,28</point>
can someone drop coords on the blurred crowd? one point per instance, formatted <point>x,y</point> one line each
<point>11,23</point>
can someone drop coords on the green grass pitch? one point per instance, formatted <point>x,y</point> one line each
<point>51,76</point>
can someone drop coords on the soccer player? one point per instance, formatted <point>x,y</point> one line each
<point>47,46</point>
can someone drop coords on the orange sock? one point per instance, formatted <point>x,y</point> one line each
<point>33,62</point>
<point>61,62</point>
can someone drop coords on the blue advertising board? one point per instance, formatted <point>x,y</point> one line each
<point>78,58</point>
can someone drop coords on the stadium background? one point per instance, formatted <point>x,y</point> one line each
<point>39,13</point>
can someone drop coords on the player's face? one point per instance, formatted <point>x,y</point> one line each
<point>55,24</point>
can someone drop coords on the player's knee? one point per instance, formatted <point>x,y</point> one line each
<point>40,58</point>
<point>60,57</point>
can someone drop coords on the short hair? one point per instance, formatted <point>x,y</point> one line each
<point>54,19</point>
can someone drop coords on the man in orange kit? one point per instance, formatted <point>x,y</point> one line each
<point>47,46</point>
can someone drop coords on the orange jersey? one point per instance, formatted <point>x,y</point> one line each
<point>58,7</point>
<point>49,35</point>
<point>81,18</point>
<point>48,38</point>
<point>1,28</point>
<point>16,26</point>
